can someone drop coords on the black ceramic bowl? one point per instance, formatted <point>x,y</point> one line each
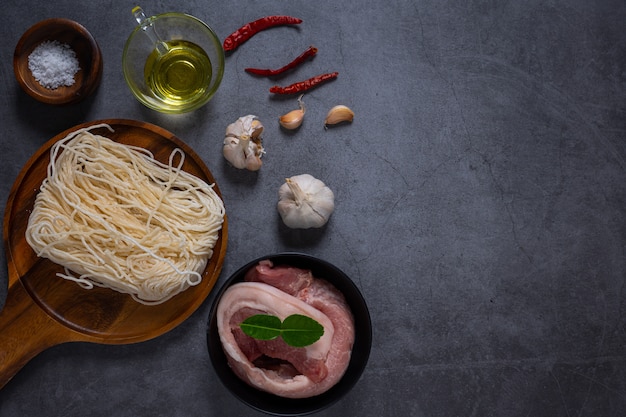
<point>269,403</point>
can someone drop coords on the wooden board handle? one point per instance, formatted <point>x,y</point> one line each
<point>25,331</point>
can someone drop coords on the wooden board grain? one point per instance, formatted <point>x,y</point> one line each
<point>43,310</point>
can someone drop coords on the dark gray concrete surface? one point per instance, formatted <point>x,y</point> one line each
<point>480,202</point>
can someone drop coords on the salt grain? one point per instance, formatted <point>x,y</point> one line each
<point>53,64</point>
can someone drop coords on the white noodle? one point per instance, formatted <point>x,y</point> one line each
<point>115,217</point>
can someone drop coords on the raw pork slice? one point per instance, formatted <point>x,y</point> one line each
<point>273,366</point>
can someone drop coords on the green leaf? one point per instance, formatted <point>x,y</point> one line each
<point>299,330</point>
<point>262,326</point>
<point>296,330</point>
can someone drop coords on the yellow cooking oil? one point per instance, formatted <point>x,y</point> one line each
<point>178,74</point>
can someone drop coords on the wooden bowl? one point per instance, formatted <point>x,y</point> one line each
<point>88,53</point>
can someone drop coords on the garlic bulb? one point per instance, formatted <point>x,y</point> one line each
<point>305,202</point>
<point>294,118</point>
<point>339,114</point>
<point>243,145</point>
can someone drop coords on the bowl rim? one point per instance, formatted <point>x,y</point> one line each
<point>279,406</point>
<point>91,79</point>
<point>221,64</point>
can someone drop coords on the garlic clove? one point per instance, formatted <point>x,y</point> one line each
<point>256,128</point>
<point>294,118</point>
<point>339,114</point>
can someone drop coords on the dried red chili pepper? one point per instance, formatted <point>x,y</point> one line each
<point>304,85</point>
<point>309,52</point>
<point>250,29</point>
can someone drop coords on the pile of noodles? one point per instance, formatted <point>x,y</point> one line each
<point>115,217</point>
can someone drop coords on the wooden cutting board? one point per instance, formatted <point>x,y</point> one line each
<point>43,310</point>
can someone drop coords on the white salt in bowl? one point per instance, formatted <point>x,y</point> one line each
<point>278,406</point>
<point>87,53</point>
